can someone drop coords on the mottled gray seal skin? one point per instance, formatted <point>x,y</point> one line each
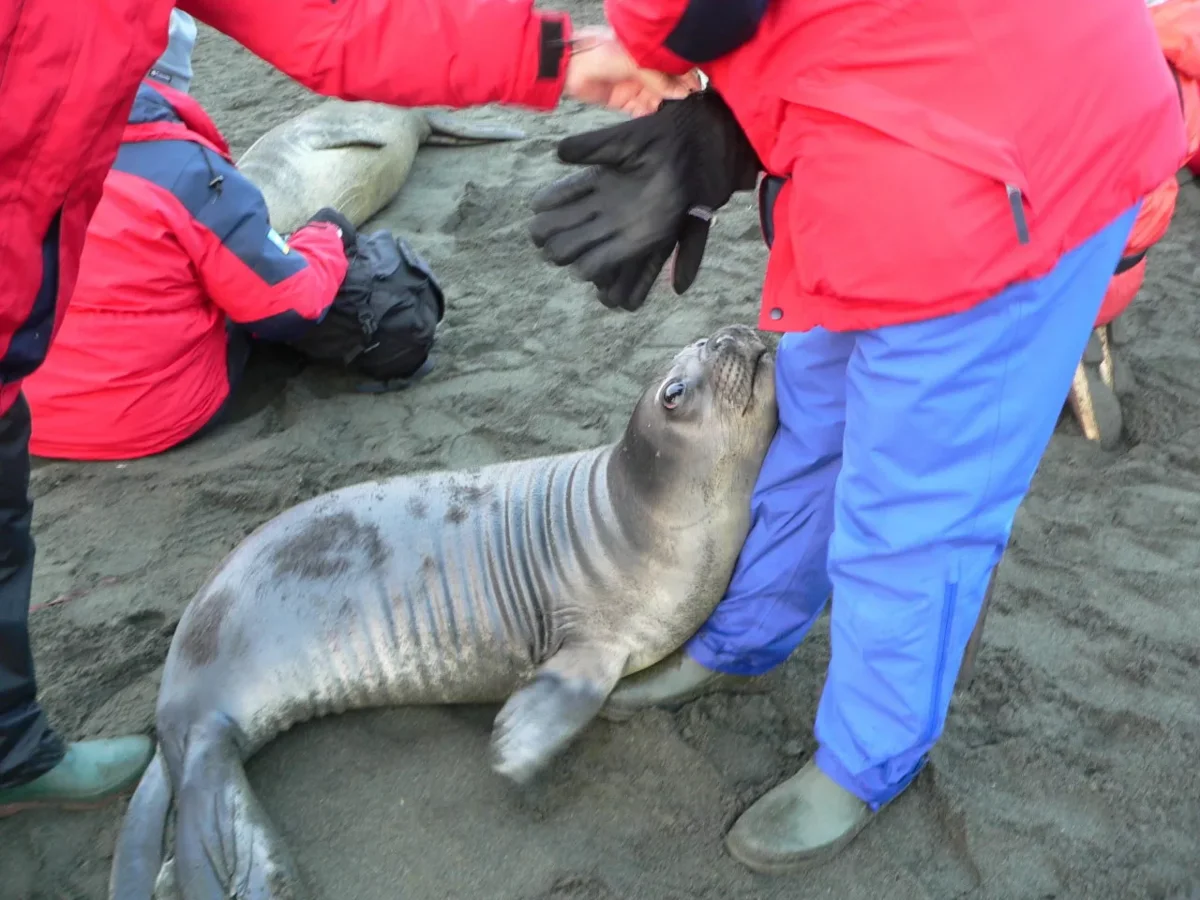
<point>354,157</point>
<point>539,582</point>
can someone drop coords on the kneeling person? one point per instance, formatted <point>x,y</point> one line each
<point>180,271</point>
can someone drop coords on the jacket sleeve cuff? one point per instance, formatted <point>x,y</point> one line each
<point>543,70</point>
<point>642,27</point>
<point>676,35</point>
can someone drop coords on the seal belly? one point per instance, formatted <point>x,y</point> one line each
<point>388,639</point>
<point>442,588</point>
<point>375,595</point>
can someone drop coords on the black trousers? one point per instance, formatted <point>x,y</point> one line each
<point>28,746</point>
<point>237,355</point>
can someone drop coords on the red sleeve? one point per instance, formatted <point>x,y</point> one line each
<point>406,52</point>
<point>276,289</point>
<point>275,310</point>
<point>675,36</point>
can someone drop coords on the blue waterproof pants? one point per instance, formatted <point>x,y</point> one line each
<point>901,457</point>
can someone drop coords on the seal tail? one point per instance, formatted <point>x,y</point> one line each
<point>140,845</point>
<point>448,131</point>
<point>226,847</point>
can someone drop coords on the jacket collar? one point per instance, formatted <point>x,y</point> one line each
<point>161,113</point>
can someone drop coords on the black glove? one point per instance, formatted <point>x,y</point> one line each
<point>627,285</point>
<point>331,215</point>
<point>618,221</point>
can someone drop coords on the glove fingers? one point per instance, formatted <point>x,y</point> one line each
<point>633,291</point>
<point>565,190</point>
<point>545,226</point>
<point>607,279</point>
<point>609,146</point>
<point>613,284</point>
<point>609,297</point>
<point>686,265</point>
<point>565,247</point>
<point>611,254</point>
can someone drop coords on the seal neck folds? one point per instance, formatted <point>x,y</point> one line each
<point>552,550</point>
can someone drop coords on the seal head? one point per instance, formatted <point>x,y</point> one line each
<point>702,428</point>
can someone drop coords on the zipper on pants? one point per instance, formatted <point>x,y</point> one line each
<point>949,601</point>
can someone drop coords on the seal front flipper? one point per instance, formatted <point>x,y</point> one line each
<point>540,719</point>
<point>350,136</point>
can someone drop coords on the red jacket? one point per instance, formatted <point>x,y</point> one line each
<point>935,150</point>
<point>69,70</point>
<point>179,244</point>
<point>1178,26</point>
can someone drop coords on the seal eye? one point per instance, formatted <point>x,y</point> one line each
<point>672,394</point>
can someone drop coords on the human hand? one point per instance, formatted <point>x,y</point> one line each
<point>346,229</point>
<point>627,285</point>
<point>601,72</point>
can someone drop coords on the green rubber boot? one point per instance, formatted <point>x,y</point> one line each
<point>802,822</point>
<point>670,682</point>
<point>90,774</point>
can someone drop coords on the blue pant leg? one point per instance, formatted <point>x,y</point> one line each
<point>946,423</point>
<point>780,583</point>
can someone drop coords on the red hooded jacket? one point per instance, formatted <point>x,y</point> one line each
<point>69,71</point>
<point>1178,26</point>
<point>934,151</point>
<point>179,245</point>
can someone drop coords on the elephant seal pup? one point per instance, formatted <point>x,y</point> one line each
<point>543,581</point>
<point>353,156</point>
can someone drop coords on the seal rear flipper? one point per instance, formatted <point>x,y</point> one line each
<point>544,716</point>
<point>446,131</point>
<point>138,857</point>
<point>226,847</point>
<point>167,886</point>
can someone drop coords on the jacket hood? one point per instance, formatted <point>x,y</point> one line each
<point>161,113</point>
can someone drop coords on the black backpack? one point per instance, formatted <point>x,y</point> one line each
<point>383,320</point>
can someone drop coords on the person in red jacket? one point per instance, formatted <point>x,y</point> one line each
<point>948,189</point>
<point>180,269</point>
<point>71,71</point>
<point>1103,377</point>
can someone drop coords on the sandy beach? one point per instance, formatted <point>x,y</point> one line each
<point>1068,769</point>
